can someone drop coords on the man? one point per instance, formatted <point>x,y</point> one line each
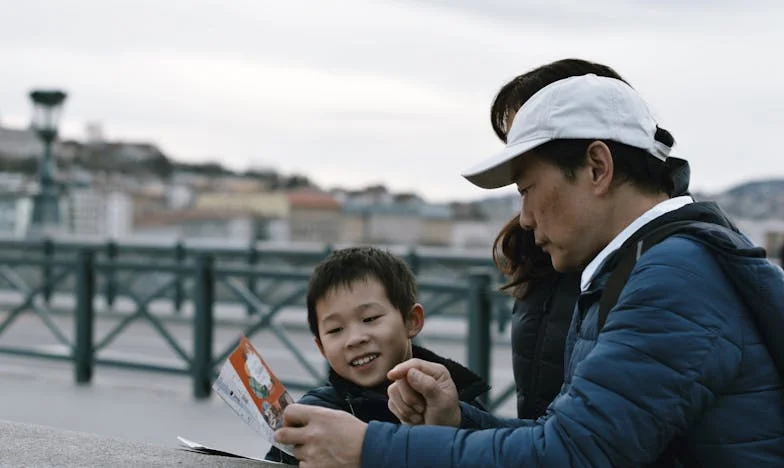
<point>685,370</point>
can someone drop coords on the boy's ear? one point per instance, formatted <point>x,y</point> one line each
<point>416,320</point>
<point>319,345</point>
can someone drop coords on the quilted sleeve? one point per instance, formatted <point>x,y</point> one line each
<point>669,344</point>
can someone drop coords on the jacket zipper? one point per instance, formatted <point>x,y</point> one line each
<point>350,406</point>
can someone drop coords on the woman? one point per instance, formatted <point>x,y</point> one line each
<point>544,301</point>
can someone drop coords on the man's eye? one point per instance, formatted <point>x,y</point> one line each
<point>332,331</point>
<point>370,319</point>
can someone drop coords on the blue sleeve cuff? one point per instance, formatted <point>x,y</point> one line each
<point>474,418</point>
<point>389,444</point>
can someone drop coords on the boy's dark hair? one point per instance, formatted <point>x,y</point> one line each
<point>345,267</point>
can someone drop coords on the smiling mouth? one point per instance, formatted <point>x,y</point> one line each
<point>364,359</point>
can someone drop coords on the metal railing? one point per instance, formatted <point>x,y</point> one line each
<point>262,282</point>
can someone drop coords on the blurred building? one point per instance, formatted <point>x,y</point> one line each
<point>313,217</point>
<point>220,226</point>
<point>15,212</point>
<point>179,196</point>
<point>85,213</point>
<point>437,225</point>
<point>98,213</point>
<point>475,226</point>
<point>270,205</point>
<point>471,234</point>
<point>217,215</point>
<point>397,223</point>
<point>20,143</point>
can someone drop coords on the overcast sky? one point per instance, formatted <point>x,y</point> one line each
<point>352,92</point>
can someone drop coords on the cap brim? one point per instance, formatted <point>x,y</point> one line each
<point>496,171</point>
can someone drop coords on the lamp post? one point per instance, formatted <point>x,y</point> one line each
<point>47,107</point>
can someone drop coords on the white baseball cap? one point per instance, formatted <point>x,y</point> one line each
<point>580,107</point>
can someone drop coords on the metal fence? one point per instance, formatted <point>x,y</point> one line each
<point>263,281</point>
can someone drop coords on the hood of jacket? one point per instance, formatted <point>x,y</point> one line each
<point>759,282</point>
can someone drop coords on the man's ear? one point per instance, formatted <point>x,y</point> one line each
<point>416,320</point>
<point>601,167</point>
<point>319,345</point>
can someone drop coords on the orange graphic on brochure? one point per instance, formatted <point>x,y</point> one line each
<point>268,393</point>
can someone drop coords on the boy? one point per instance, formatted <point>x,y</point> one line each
<point>363,314</point>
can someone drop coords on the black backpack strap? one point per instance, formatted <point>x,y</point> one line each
<point>677,453</point>
<point>627,258</point>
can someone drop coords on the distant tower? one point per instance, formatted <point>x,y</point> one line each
<point>94,132</point>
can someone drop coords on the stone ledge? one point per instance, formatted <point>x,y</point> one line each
<point>40,446</point>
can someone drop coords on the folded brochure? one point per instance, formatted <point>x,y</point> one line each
<point>247,384</point>
<point>191,446</point>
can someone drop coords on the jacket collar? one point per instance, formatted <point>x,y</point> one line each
<point>469,384</point>
<point>672,204</point>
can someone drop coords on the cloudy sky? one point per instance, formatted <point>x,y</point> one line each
<point>352,92</point>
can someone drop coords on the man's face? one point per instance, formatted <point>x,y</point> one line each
<point>561,212</point>
<point>362,335</point>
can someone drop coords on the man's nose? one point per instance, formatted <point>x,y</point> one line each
<point>526,220</point>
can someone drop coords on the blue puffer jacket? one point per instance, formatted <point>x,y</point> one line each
<point>370,404</point>
<point>681,357</point>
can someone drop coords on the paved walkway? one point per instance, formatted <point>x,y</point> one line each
<point>39,446</point>
<point>138,408</point>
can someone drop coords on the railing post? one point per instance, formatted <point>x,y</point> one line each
<point>502,315</point>
<point>204,290</point>
<point>46,269</point>
<point>179,294</point>
<point>479,317</point>
<point>253,259</point>
<point>414,261</point>
<point>85,293</point>
<point>110,288</point>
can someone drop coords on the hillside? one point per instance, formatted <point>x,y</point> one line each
<point>761,199</point>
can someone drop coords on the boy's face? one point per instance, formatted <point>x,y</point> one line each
<point>361,334</point>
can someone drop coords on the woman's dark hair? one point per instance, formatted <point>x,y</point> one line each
<point>514,94</point>
<point>517,256</point>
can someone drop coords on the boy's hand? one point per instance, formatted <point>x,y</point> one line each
<point>321,436</point>
<point>423,392</point>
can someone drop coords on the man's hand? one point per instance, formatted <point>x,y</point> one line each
<point>423,392</point>
<point>322,437</point>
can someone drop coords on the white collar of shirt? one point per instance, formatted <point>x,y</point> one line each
<point>664,207</point>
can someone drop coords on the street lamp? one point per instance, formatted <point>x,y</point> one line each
<point>47,107</point>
